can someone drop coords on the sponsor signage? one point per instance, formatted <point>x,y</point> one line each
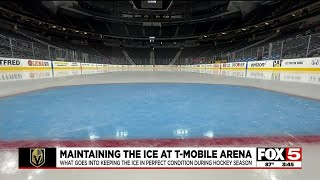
<point>239,64</point>
<point>61,64</point>
<point>216,65</point>
<point>38,63</point>
<point>277,63</point>
<point>74,64</point>
<point>258,64</point>
<point>234,65</point>
<point>261,64</point>
<point>10,62</point>
<point>65,65</point>
<point>226,65</point>
<point>21,64</point>
<point>306,64</point>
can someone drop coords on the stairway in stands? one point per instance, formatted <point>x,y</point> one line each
<point>152,61</point>
<point>176,57</point>
<point>125,53</point>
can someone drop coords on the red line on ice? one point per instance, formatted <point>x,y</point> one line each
<point>190,142</point>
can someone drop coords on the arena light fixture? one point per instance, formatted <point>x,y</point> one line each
<point>151,38</point>
<point>224,33</point>
<point>244,29</point>
<point>266,23</point>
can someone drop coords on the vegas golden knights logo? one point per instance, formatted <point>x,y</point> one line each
<point>277,63</point>
<point>37,156</point>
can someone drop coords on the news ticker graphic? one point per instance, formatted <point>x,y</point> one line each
<point>162,158</point>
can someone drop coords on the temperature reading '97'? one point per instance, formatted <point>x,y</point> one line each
<point>268,164</point>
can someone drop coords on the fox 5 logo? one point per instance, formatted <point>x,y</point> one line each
<point>279,154</point>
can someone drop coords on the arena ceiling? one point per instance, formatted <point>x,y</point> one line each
<point>170,20</point>
<point>138,11</point>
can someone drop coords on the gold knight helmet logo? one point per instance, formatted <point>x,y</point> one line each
<point>277,63</point>
<point>37,156</point>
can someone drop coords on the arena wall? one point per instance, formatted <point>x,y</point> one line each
<point>302,64</point>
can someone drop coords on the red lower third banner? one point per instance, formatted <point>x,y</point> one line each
<point>161,158</point>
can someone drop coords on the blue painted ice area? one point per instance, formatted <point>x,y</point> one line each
<point>155,110</point>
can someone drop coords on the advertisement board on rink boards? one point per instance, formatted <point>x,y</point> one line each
<point>24,64</point>
<point>65,65</point>
<point>203,66</point>
<point>100,66</point>
<point>234,65</point>
<point>269,64</point>
<point>88,66</point>
<point>301,64</point>
<point>212,66</point>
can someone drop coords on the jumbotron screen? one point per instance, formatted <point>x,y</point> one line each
<point>153,4</point>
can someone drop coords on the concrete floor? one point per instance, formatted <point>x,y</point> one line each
<point>300,84</point>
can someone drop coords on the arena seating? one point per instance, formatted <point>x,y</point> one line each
<point>165,55</point>
<point>139,55</point>
<point>295,44</point>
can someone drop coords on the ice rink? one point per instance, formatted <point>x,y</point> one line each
<point>294,87</point>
